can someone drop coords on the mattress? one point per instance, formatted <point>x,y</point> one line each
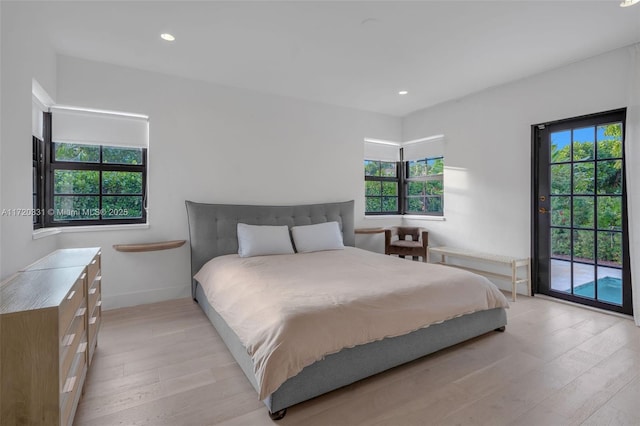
<point>290,311</point>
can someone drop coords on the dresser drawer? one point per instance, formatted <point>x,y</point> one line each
<point>93,268</point>
<point>94,323</point>
<point>71,341</point>
<point>72,384</point>
<point>69,306</point>
<point>95,290</point>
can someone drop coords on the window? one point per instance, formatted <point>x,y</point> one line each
<point>96,184</point>
<point>424,186</point>
<point>404,178</point>
<point>37,161</point>
<point>90,183</point>
<point>381,187</point>
<point>38,182</point>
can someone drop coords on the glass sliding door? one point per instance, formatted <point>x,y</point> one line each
<point>580,235</point>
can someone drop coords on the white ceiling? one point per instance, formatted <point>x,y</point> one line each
<point>356,54</point>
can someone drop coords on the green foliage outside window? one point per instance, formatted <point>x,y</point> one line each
<point>425,186</point>
<point>97,193</point>
<point>596,206</point>
<point>381,187</point>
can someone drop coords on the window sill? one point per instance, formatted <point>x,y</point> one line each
<point>44,232</point>
<point>406,216</point>
<point>423,217</point>
<point>382,216</point>
<point>41,233</point>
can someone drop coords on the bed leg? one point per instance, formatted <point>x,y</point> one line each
<point>278,414</point>
<point>501,329</point>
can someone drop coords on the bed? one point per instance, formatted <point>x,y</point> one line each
<point>212,229</point>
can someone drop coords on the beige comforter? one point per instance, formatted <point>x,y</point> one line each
<point>292,310</point>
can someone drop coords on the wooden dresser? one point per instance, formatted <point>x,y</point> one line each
<point>49,319</point>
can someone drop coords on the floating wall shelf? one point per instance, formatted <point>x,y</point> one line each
<point>162,245</point>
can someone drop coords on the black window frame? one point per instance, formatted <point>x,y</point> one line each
<point>51,165</point>
<point>402,178</point>
<point>427,178</point>
<point>397,180</point>
<point>38,182</point>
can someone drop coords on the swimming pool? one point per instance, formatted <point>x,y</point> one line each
<point>609,290</point>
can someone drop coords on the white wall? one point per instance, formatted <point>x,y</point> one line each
<point>212,143</point>
<point>25,54</point>
<point>488,148</point>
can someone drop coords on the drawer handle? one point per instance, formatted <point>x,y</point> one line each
<point>93,262</point>
<point>82,348</point>
<point>68,339</point>
<point>99,278</point>
<point>80,312</point>
<point>83,276</point>
<point>93,320</point>
<point>73,293</point>
<point>99,303</point>
<point>93,291</point>
<point>69,384</point>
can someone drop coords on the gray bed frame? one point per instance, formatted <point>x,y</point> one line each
<point>212,231</point>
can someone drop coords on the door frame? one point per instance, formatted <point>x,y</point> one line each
<point>536,142</point>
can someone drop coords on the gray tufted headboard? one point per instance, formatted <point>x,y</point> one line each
<point>212,227</point>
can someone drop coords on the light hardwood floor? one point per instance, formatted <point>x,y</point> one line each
<point>164,364</point>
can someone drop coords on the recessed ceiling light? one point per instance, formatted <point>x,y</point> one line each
<point>404,92</point>
<point>627,3</point>
<point>167,37</point>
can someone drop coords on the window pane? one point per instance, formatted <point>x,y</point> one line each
<point>583,143</point>
<point>610,249</point>
<point>434,187</point>
<point>583,178</point>
<point>583,280</point>
<point>121,207</point>
<point>389,188</point>
<point>122,182</point>
<point>113,155</point>
<point>417,168</point>
<point>583,212</point>
<point>561,211</point>
<point>390,204</point>
<point>388,169</point>
<point>373,188</point>
<point>610,285</point>
<point>561,179</point>
<point>560,243</point>
<point>561,275</point>
<point>435,166</point>
<point>610,141</point>
<point>560,146</point>
<point>415,204</point>
<point>373,204</point>
<point>34,180</point>
<point>416,188</point>
<point>583,245</point>
<point>76,153</point>
<point>610,213</point>
<point>434,204</point>
<point>610,177</point>
<point>371,168</point>
<point>76,207</point>
<point>76,182</point>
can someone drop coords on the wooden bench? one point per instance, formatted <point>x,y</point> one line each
<point>514,263</point>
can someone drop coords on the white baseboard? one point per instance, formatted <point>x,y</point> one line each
<point>144,297</point>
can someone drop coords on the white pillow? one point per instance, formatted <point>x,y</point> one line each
<point>323,236</point>
<point>256,240</point>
